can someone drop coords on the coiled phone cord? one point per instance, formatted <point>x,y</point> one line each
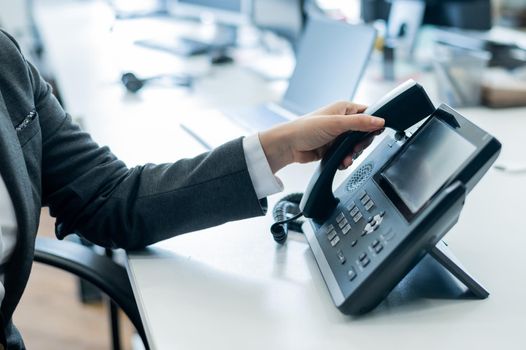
<point>286,214</point>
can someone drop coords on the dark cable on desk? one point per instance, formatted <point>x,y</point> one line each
<point>510,169</point>
<point>286,214</point>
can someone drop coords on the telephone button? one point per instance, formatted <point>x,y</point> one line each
<point>340,217</point>
<point>354,211</point>
<point>362,256</point>
<point>353,243</point>
<point>331,235</point>
<point>378,248</point>
<point>351,274</point>
<point>330,228</point>
<point>335,241</point>
<point>369,228</point>
<point>378,219</point>
<point>346,229</point>
<point>362,194</point>
<point>365,262</point>
<point>341,257</point>
<point>343,223</point>
<point>369,205</point>
<point>388,235</point>
<point>357,217</point>
<point>365,199</point>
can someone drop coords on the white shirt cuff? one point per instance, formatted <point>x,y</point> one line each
<point>263,180</point>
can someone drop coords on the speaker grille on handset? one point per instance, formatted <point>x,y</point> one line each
<point>360,175</point>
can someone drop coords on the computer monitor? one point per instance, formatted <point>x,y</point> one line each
<point>461,14</point>
<point>222,11</point>
<point>225,17</point>
<point>372,10</point>
<point>286,18</point>
<point>407,16</point>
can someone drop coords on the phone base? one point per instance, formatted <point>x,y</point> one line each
<point>443,255</point>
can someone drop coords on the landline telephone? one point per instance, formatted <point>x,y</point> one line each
<point>397,205</point>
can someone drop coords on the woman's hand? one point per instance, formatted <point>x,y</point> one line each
<point>307,139</point>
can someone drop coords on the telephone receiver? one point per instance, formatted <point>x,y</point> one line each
<point>403,107</point>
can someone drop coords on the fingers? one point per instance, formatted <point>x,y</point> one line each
<point>358,150</point>
<point>358,122</point>
<point>346,162</point>
<point>341,108</point>
<point>355,108</point>
<point>348,108</point>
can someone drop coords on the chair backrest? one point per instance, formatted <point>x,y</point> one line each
<point>99,270</point>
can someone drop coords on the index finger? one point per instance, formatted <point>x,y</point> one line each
<point>355,108</point>
<point>359,122</point>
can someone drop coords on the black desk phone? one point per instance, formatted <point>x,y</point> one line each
<point>398,204</point>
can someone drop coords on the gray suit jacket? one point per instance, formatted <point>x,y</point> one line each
<point>46,160</point>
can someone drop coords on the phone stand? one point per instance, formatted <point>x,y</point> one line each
<point>443,255</point>
<point>432,278</point>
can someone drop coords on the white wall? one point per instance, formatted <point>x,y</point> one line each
<point>14,19</point>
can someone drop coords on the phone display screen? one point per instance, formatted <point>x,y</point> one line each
<point>426,164</point>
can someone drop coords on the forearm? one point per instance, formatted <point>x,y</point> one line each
<point>113,206</point>
<point>91,192</point>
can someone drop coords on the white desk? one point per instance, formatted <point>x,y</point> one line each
<point>232,287</point>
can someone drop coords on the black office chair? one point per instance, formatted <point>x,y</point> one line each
<point>99,270</point>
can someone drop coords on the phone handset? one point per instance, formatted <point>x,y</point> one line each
<point>403,107</point>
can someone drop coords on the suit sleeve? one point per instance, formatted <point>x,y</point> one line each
<point>91,192</point>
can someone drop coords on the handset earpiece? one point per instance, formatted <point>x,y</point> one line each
<point>401,108</point>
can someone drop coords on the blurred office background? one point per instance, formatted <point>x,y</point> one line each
<point>475,58</point>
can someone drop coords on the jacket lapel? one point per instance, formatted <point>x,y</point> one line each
<point>14,172</point>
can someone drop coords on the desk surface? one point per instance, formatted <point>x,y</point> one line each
<point>232,286</point>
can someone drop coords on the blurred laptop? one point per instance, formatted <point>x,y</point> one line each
<point>331,59</point>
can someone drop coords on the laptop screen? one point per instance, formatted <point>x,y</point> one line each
<point>331,59</point>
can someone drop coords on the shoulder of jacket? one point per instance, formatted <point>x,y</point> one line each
<point>9,48</point>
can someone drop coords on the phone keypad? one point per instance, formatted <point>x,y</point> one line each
<point>346,231</point>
